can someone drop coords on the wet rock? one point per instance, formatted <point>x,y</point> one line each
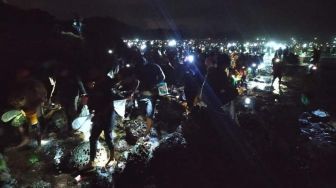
<point>41,184</point>
<point>320,116</point>
<point>58,121</point>
<point>59,152</point>
<point>134,172</point>
<point>169,116</point>
<point>315,128</point>
<point>134,130</point>
<point>172,140</point>
<point>81,155</point>
<point>6,180</point>
<point>102,178</point>
<point>63,180</point>
<point>172,164</point>
<point>121,145</point>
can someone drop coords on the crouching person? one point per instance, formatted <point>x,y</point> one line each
<point>28,97</point>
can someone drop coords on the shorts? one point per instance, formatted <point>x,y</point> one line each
<point>146,107</point>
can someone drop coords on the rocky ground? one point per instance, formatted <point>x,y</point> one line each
<point>279,143</point>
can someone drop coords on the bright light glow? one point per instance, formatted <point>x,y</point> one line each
<point>44,142</point>
<point>172,43</point>
<point>110,51</point>
<point>254,65</point>
<point>190,58</point>
<point>247,101</point>
<point>231,44</point>
<point>313,67</point>
<point>128,65</point>
<point>277,60</point>
<point>143,47</point>
<point>275,45</point>
<point>78,178</point>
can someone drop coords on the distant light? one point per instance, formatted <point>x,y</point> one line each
<point>254,65</point>
<point>277,60</point>
<point>275,45</point>
<point>142,47</point>
<point>190,58</point>
<point>229,45</point>
<point>314,68</point>
<point>128,65</point>
<point>110,51</point>
<point>172,43</point>
<point>247,101</point>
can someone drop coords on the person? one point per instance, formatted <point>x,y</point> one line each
<point>108,98</point>
<point>309,90</point>
<point>222,88</point>
<point>316,56</point>
<point>150,75</point>
<point>28,95</point>
<point>277,69</point>
<point>192,83</point>
<point>100,104</point>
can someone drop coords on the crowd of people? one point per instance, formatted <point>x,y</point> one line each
<point>135,79</point>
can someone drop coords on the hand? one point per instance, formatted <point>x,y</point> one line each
<point>52,81</point>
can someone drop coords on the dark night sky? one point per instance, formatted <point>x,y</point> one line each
<point>250,17</point>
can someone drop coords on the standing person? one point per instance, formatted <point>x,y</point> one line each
<point>192,83</point>
<point>277,69</point>
<point>100,104</point>
<point>316,56</point>
<point>221,86</point>
<point>150,75</point>
<point>108,99</point>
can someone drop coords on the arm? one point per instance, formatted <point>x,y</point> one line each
<point>160,74</point>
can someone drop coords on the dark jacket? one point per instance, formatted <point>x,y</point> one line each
<point>221,85</point>
<point>150,75</point>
